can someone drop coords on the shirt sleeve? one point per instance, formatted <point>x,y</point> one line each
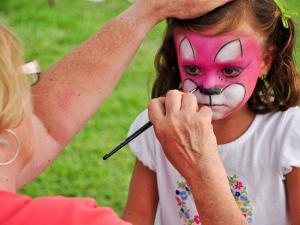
<point>291,142</point>
<point>88,212</point>
<point>58,210</point>
<point>144,146</point>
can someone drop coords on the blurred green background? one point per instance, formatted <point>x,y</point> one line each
<point>48,34</point>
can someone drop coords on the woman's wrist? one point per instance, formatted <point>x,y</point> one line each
<point>211,192</point>
<point>140,17</point>
<point>207,168</point>
<point>151,11</point>
<point>148,12</point>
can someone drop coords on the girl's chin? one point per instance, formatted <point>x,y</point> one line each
<point>219,111</point>
<point>218,116</point>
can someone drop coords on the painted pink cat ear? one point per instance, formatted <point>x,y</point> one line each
<point>230,51</point>
<point>186,49</point>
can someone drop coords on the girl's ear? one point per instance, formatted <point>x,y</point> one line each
<point>267,60</point>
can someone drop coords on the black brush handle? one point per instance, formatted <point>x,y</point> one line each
<point>127,140</point>
<point>133,136</point>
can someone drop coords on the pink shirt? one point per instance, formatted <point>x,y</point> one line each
<point>22,210</point>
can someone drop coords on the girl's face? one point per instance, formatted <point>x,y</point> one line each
<point>224,68</point>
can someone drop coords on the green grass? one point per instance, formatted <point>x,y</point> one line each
<point>49,33</point>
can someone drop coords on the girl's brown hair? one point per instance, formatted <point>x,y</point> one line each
<point>279,90</point>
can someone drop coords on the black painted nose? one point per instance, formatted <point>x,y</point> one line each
<point>210,91</point>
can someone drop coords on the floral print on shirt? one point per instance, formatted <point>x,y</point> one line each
<point>183,195</point>
<point>240,195</point>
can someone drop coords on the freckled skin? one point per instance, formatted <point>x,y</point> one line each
<point>69,93</point>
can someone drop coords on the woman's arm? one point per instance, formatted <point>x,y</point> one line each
<point>143,189</point>
<point>71,91</point>
<point>293,195</point>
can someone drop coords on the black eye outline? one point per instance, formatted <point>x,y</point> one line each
<point>189,70</point>
<point>235,69</point>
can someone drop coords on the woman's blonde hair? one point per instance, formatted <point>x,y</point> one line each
<point>15,96</point>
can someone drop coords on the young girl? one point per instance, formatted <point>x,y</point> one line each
<point>64,100</point>
<point>239,59</point>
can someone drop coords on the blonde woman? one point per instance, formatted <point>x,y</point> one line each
<point>73,90</point>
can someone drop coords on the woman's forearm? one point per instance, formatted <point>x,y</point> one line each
<point>77,84</point>
<point>72,90</point>
<point>212,195</point>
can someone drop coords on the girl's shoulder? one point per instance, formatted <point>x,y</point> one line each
<point>286,139</point>
<point>284,126</point>
<point>282,118</point>
<point>142,118</point>
<point>293,111</point>
<point>289,117</point>
<point>140,121</point>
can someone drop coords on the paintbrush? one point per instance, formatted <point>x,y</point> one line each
<point>133,136</point>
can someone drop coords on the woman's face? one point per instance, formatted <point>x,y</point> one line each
<point>224,68</point>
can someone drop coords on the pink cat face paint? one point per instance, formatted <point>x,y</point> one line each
<point>225,68</point>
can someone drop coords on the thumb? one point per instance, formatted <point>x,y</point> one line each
<point>206,113</point>
<point>156,109</point>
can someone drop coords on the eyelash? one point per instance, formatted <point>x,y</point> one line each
<point>195,70</point>
<point>236,70</point>
<point>188,69</point>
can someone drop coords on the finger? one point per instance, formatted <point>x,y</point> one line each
<point>209,6</point>
<point>162,101</point>
<point>173,101</point>
<point>156,109</point>
<point>215,4</point>
<point>189,102</point>
<point>206,113</point>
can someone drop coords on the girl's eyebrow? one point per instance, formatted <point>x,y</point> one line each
<point>239,63</point>
<point>188,61</point>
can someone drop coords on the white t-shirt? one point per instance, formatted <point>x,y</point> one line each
<point>256,164</point>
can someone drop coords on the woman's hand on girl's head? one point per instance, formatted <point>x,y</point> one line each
<point>181,9</point>
<point>184,130</point>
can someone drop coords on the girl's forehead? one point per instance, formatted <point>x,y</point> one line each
<point>223,48</point>
<point>208,39</point>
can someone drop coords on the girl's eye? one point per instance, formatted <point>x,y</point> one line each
<point>192,70</point>
<point>232,71</point>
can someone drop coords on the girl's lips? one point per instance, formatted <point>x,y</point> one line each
<point>214,105</point>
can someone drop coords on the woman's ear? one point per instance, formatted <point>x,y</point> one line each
<point>267,60</point>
